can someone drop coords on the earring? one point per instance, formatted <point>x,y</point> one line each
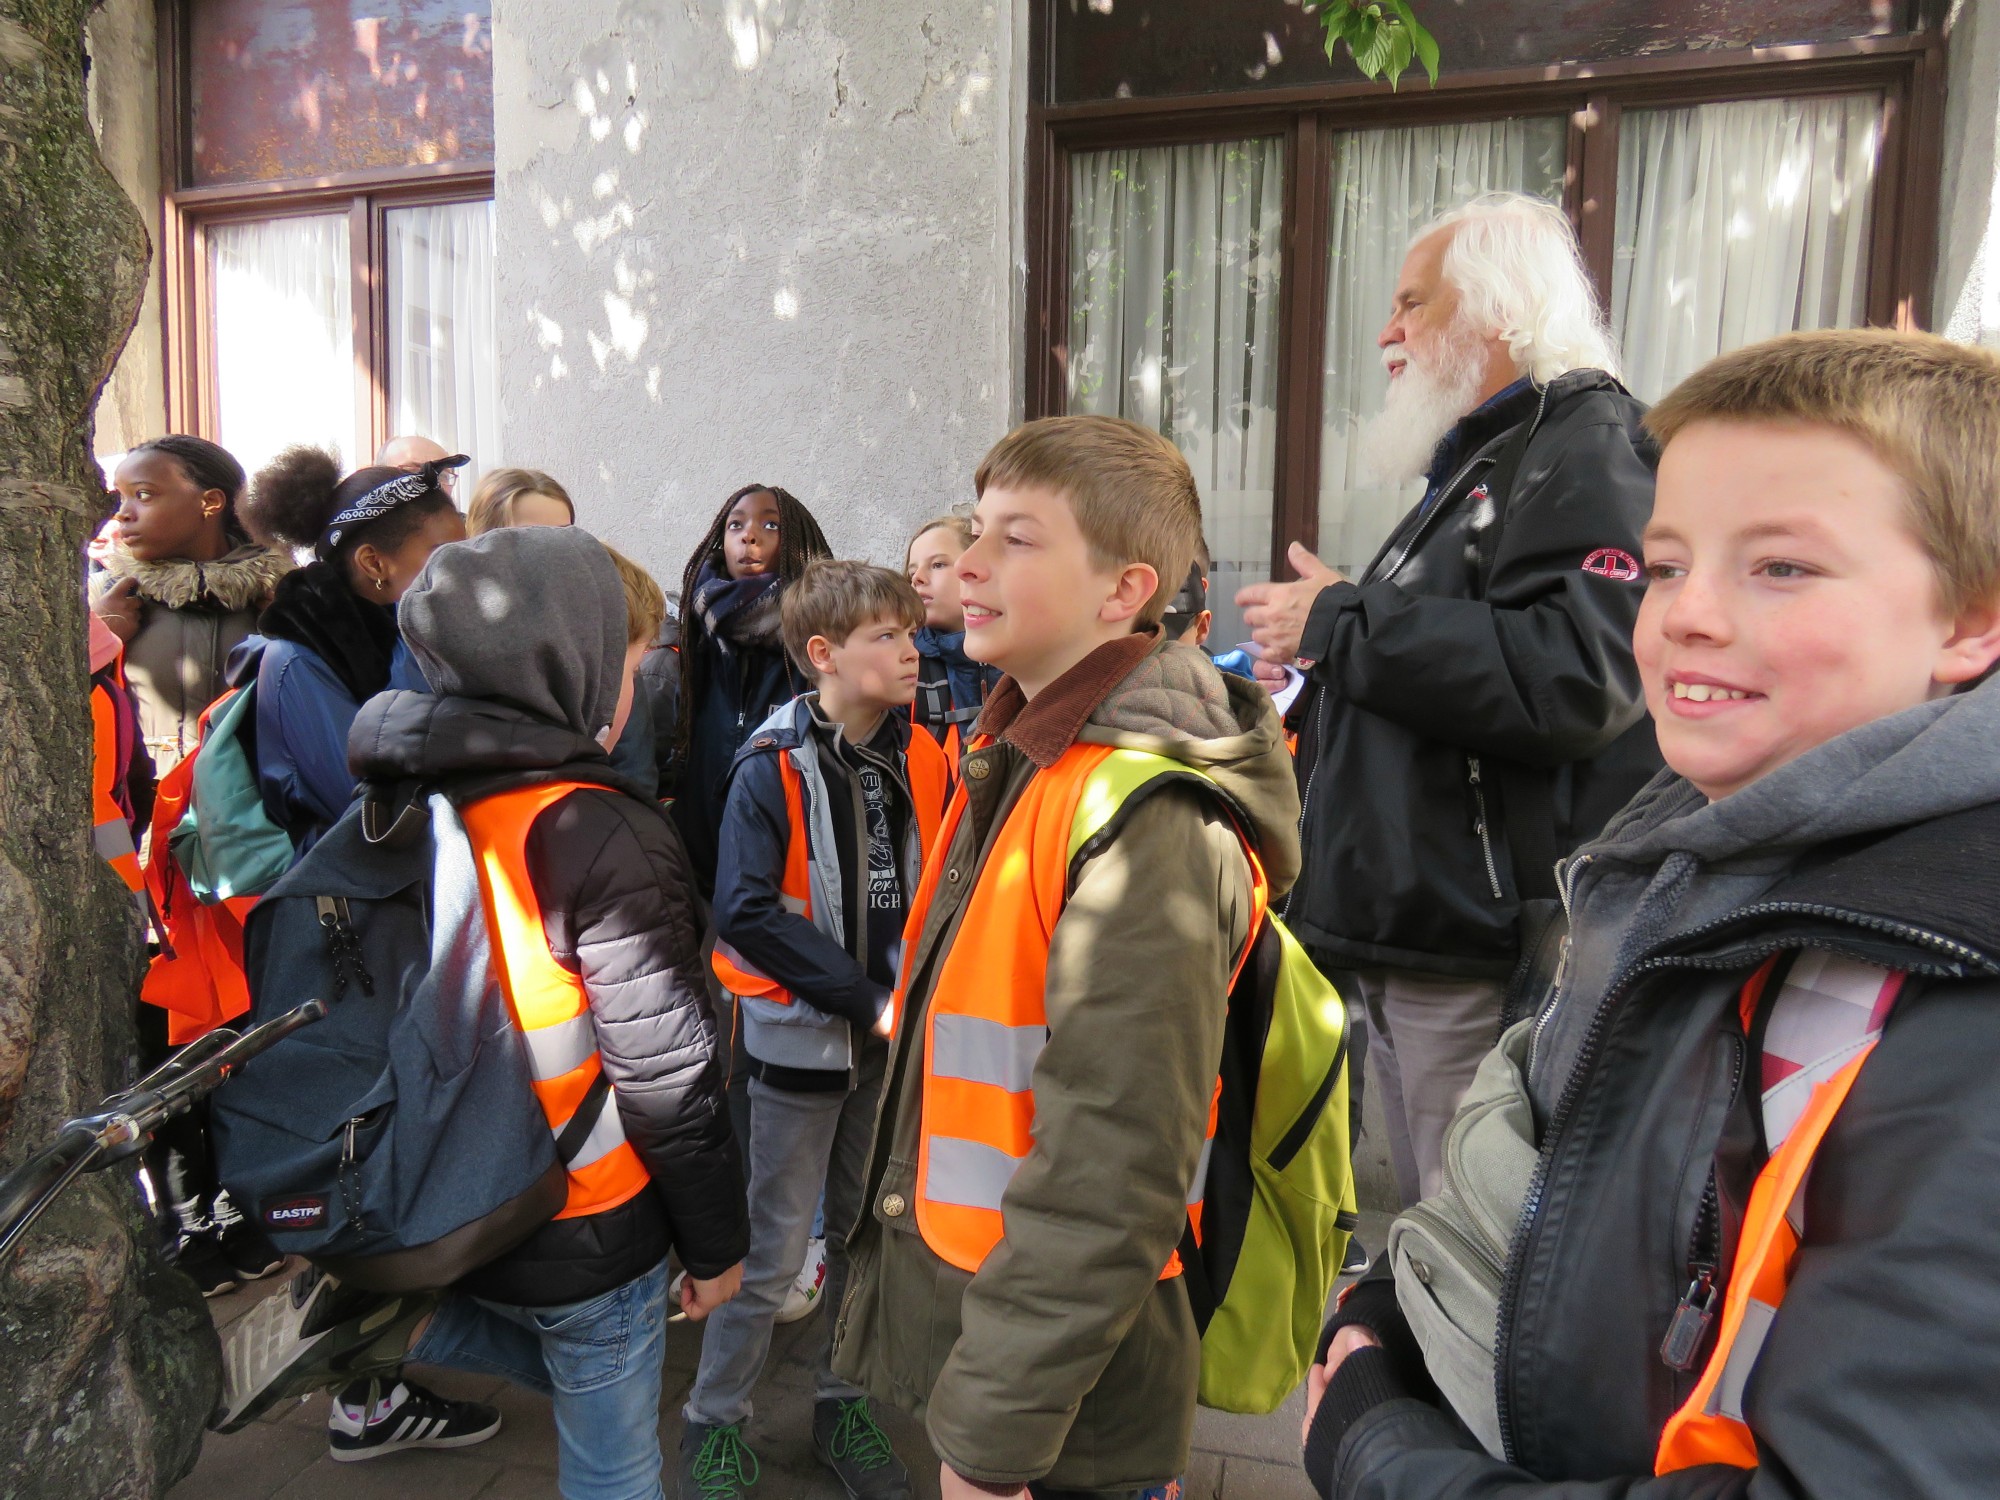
<point>382,585</point>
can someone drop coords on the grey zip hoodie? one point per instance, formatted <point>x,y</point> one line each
<point>1673,861</point>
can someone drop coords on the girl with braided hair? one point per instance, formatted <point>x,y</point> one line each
<point>734,670</point>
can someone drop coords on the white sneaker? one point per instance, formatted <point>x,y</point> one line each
<point>803,1295</point>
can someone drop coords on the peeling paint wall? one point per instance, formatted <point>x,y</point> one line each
<point>757,240</point>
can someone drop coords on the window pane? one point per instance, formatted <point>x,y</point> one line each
<point>1174,323</point>
<point>303,88</point>
<point>284,338</point>
<point>440,318</point>
<point>1737,222</point>
<point>1387,184</point>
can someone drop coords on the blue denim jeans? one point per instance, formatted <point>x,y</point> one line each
<point>599,1359</point>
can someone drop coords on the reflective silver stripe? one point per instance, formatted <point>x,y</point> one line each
<point>981,1051</point>
<point>796,905</point>
<point>606,1136</point>
<point>1727,1399</point>
<point>968,1173</point>
<point>113,839</point>
<point>1201,1173</point>
<point>561,1048</point>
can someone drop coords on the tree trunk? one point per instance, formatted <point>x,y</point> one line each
<point>108,1365</point>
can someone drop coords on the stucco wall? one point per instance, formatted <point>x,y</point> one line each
<point>757,240</point>
<point>124,99</point>
<point>1966,300</point>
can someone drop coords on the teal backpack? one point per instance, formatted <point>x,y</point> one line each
<point>1278,1204</point>
<point>226,844</point>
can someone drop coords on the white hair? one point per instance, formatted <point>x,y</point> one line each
<point>1519,274</point>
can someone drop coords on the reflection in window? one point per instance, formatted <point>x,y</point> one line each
<point>1737,222</point>
<point>1387,184</point>
<point>1174,323</point>
<point>441,355</point>
<point>284,342</point>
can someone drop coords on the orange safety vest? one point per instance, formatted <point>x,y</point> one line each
<point>110,832</point>
<point>549,1003</point>
<point>197,975</point>
<point>987,1021</point>
<point>929,775</point>
<point>1709,1428</point>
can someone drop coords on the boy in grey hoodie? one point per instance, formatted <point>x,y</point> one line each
<point>1759,1253</point>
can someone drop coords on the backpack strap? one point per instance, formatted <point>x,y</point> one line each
<point>572,1136</point>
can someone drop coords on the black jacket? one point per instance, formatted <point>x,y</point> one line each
<point>619,908</point>
<point>1881,1375</point>
<point>1473,711</point>
<point>738,688</point>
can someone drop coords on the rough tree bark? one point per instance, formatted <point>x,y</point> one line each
<point>107,1362</point>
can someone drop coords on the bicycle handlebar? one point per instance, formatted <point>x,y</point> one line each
<point>93,1142</point>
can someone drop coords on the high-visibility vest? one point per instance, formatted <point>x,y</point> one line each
<point>1709,1428</point>
<point>929,777</point>
<point>110,831</point>
<point>987,1021</point>
<point>549,1003</point>
<point>197,975</point>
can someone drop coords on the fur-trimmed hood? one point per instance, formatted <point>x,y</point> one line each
<point>241,579</point>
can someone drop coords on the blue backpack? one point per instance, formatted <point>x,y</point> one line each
<point>397,1144</point>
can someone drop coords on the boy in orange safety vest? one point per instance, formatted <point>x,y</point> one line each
<point>1758,1253</point>
<point>833,801</point>
<point>1122,810</point>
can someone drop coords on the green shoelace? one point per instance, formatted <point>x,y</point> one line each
<point>725,1465</point>
<point>857,1437</point>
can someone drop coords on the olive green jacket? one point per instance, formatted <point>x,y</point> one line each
<point>1066,1358</point>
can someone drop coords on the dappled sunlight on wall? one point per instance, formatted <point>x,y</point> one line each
<point>751,238</point>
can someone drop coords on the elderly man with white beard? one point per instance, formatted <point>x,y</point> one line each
<point>1472,711</point>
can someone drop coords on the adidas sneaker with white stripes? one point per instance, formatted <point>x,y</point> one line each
<point>404,1416</point>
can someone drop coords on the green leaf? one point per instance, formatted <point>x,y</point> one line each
<point>1373,52</point>
<point>1383,37</point>
<point>1422,42</point>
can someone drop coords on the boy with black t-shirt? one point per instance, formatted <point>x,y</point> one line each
<point>830,805</point>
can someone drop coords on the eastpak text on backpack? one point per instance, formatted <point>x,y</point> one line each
<point>399,1143</point>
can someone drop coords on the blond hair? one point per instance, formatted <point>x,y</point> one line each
<point>958,526</point>
<point>492,505</point>
<point>645,605</point>
<point>1130,490</point>
<point>1928,408</point>
<point>834,597</point>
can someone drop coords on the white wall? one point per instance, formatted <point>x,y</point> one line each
<point>1966,299</point>
<point>757,240</point>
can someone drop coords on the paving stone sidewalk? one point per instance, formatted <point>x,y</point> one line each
<point>284,1457</point>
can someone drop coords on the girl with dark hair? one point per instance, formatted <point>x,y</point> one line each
<point>182,584</point>
<point>330,640</point>
<point>734,670</point>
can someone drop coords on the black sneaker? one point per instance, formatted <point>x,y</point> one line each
<point>249,1253</point>
<point>394,1415</point>
<point>716,1464</point>
<point>850,1442</point>
<point>1357,1259</point>
<point>313,1335</point>
<point>202,1259</point>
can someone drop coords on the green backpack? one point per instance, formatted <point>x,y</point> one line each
<point>226,843</point>
<point>1278,1204</point>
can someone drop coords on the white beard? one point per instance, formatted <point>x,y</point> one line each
<point>1424,403</point>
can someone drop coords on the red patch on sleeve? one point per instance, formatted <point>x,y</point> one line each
<point>1614,563</point>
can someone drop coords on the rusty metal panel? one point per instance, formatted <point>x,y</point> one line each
<point>283,89</point>
<point>1117,49</point>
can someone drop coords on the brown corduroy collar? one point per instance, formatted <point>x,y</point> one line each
<point>1044,728</point>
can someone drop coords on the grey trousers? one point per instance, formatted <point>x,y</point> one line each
<point>798,1144</point>
<point>1426,1036</point>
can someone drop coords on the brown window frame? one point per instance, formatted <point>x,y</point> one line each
<point>187,214</point>
<point>1907,71</point>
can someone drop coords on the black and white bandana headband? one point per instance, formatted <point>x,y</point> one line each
<point>384,498</point>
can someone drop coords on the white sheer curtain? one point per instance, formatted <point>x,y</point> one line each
<point>1737,222</point>
<point>1387,184</point>
<point>441,357</point>
<point>1174,323</point>
<point>284,337</point>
